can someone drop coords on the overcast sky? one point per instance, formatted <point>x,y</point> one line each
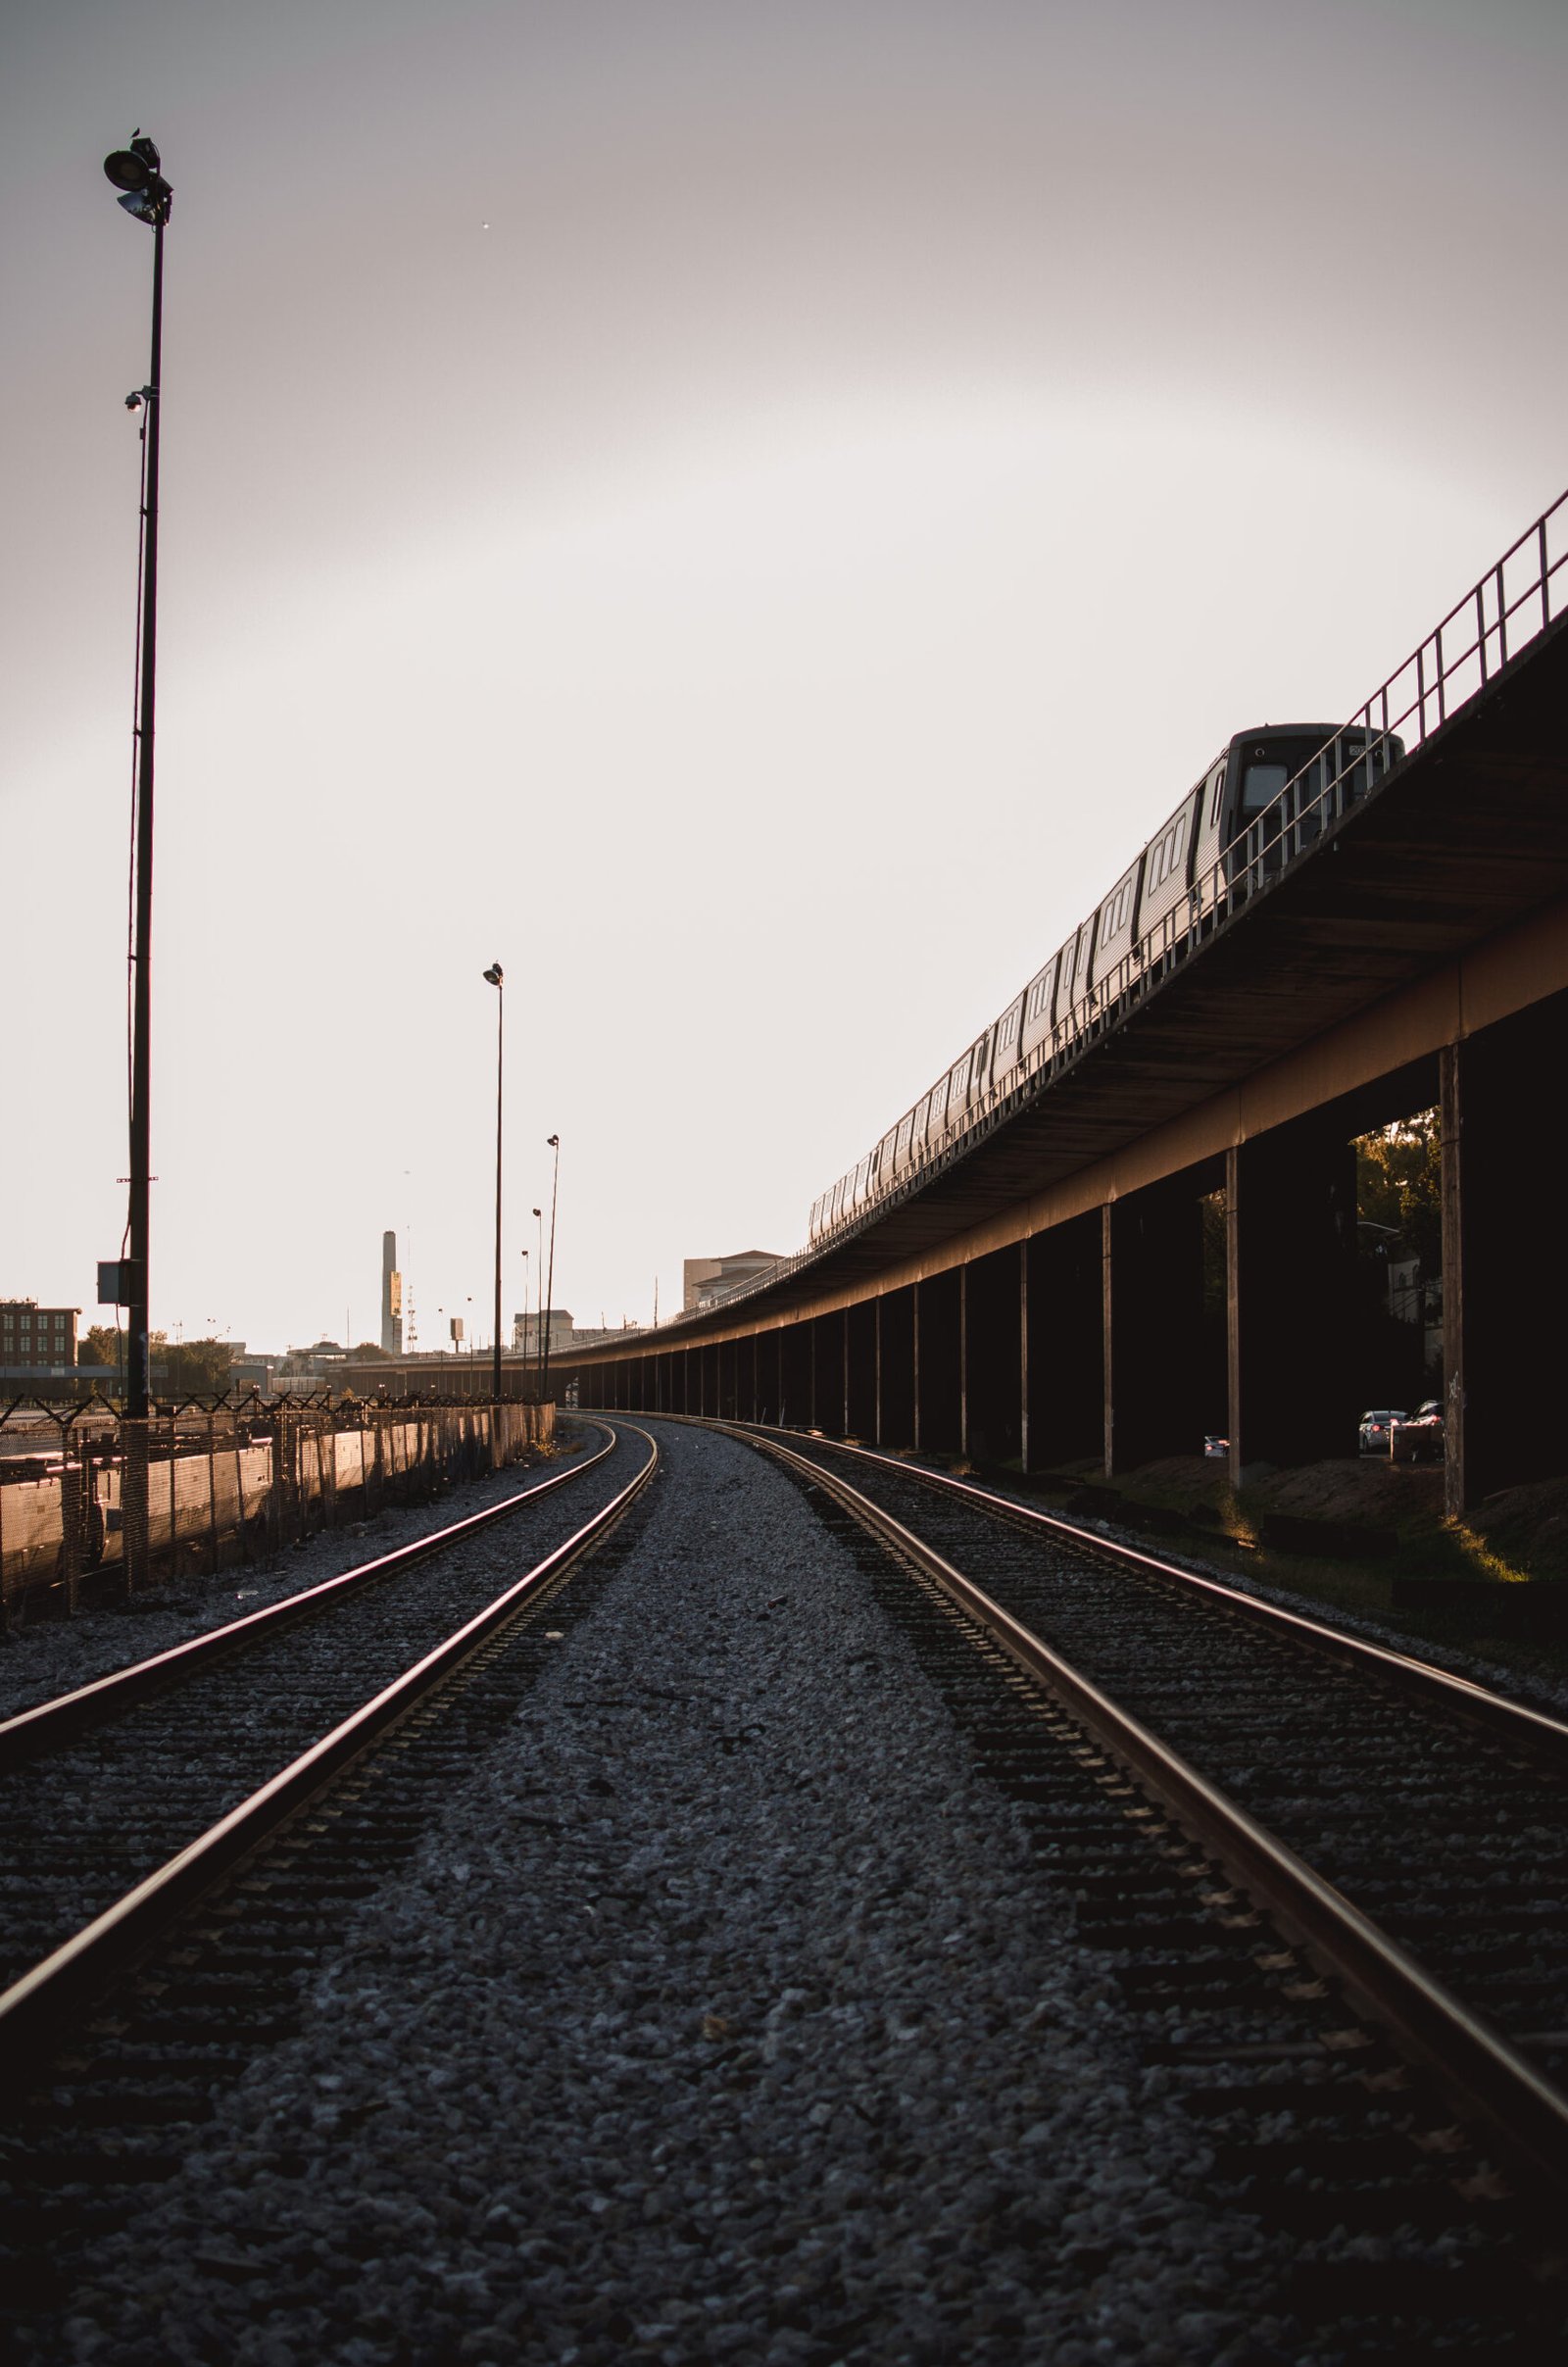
<point>748,512</point>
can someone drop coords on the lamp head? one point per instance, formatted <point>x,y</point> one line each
<point>135,171</point>
<point>552,1141</point>
<point>495,973</point>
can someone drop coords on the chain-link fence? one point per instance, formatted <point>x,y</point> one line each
<point>92,1500</point>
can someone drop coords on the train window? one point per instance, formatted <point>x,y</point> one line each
<point>1167,855</point>
<point>1010,1030</point>
<point>1218,798</point>
<point>1261,786</point>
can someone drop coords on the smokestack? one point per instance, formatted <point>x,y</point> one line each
<point>391,1297</point>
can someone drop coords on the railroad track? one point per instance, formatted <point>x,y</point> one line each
<point>181,1840</point>
<point>1385,2060</point>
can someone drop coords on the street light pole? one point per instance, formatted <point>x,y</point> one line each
<point>495,976</point>
<point>555,1188</point>
<point>539,1316</point>
<point>134,171</point>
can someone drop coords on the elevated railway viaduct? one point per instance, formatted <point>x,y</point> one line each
<point>1159,1236</point>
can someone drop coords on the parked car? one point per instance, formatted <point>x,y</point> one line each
<point>1376,1428</point>
<point>1215,1450</point>
<point>1420,1439</point>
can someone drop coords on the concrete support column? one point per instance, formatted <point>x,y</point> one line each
<point>827,1374</point>
<point>939,1396</point>
<point>769,1346</point>
<point>1153,1316</point>
<point>1063,1360</point>
<point>1501,1161</point>
<point>794,1389</point>
<point>992,1360</point>
<point>895,1368</point>
<point>1290,1298</point>
<point>859,1400</point>
<point>726,1378</point>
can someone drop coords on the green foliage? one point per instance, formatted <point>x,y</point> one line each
<point>99,1343</point>
<point>1399,1183</point>
<point>192,1368</point>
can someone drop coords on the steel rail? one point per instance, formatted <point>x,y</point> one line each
<point>89,1959</point>
<point>47,1724</point>
<point>1526,1728</point>
<point>1483,2074</point>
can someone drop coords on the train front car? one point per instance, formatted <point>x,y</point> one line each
<point>1286,783</point>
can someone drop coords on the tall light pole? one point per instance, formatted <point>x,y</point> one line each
<point>523,1254</point>
<point>539,1314</point>
<point>554,1141</point>
<point>495,975</point>
<point>135,172</point>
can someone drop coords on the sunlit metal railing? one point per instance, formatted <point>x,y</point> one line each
<point>1511,605</point>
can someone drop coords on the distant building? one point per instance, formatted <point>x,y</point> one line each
<point>558,1331</point>
<point>391,1297</point>
<point>36,1339</point>
<point>708,1280</point>
<point>313,1367</point>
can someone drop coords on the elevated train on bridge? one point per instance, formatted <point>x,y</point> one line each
<point>1270,792</point>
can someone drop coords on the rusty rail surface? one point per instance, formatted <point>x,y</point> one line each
<point>45,1727</point>
<point>35,2004</point>
<point>1487,2077</point>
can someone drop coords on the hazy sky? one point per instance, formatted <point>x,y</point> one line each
<point>747,513</point>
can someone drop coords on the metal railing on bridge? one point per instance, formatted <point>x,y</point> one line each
<point>1511,605</point>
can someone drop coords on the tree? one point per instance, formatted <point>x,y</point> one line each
<point>1398,1184</point>
<point>367,1352</point>
<point>99,1344</point>
<point>192,1368</point>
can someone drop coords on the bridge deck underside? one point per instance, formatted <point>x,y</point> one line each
<point>1467,838</point>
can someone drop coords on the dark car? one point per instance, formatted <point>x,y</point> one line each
<point>1420,1439</point>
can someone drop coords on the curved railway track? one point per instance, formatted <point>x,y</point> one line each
<point>127,1800</point>
<point>1404,1831</point>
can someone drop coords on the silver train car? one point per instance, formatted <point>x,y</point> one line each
<point>1270,792</point>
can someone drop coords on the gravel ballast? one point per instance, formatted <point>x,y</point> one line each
<point>52,1657</point>
<point>722,2015</point>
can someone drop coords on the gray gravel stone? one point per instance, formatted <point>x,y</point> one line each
<point>55,1655</point>
<point>723,2015</point>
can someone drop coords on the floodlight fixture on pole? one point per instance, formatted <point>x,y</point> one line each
<point>144,193</point>
<point>553,1144</point>
<point>495,976</point>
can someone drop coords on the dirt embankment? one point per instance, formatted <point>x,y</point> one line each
<point>1519,1533</point>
